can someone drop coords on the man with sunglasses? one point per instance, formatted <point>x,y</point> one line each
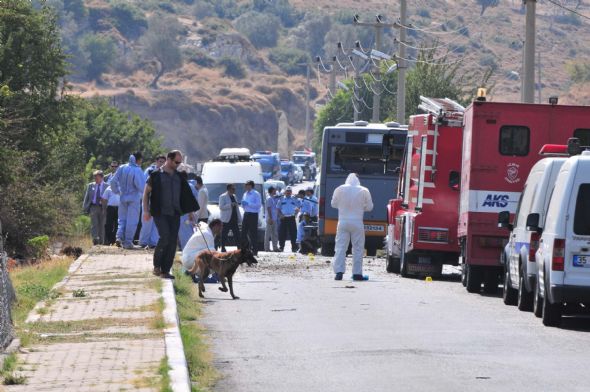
<point>166,197</point>
<point>109,177</point>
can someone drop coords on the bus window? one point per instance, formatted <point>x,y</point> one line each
<point>361,159</point>
<point>514,140</point>
<point>583,135</point>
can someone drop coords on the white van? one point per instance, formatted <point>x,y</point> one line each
<point>217,174</point>
<point>518,257</point>
<point>563,258</point>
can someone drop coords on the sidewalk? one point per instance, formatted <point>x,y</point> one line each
<point>105,331</point>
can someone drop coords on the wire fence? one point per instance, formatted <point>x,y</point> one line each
<point>7,296</point>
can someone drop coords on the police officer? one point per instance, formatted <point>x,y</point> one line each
<point>309,213</point>
<point>288,207</point>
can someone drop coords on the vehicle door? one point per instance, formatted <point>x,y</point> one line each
<point>577,236</point>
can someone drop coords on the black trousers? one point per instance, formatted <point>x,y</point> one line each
<point>288,225</point>
<point>250,230</point>
<point>110,226</point>
<point>235,229</point>
<point>165,251</point>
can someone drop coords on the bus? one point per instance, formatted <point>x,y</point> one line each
<point>357,148</point>
<point>270,163</point>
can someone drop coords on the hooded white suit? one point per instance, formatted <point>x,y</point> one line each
<point>352,200</point>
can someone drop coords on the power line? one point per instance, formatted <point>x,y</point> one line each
<point>568,9</point>
<point>427,31</point>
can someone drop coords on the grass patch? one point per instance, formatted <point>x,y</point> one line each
<point>165,377</point>
<point>201,371</point>
<point>158,321</point>
<point>7,371</point>
<point>34,283</point>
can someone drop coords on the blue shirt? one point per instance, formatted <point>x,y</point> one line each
<point>251,201</point>
<point>149,171</point>
<point>128,182</point>
<point>271,204</point>
<point>287,205</point>
<point>310,206</point>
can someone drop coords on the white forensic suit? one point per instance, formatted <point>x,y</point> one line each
<point>352,200</point>
<point>202,239</point>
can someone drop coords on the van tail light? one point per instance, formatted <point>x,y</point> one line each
<point>534,246</point>
<point>558,255</point>
<point>322,211</point>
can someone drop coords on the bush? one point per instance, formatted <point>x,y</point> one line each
<point>227,9</point>
<point>165,6</point>
<point>282,9</point>
<point>81,226</point>
<point>99,53</point>
<point>424,13</point>
<point>579,72</point>
<point>202,10</point>
<point>38,246</point>
<point>128,19</point>
<point>489,61</point>
<point>262,30</point>
<point>233,68</point>
<point>200,58</point>
<point>289,60</point>
<point>569,18</point>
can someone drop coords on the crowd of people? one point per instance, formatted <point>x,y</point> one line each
<point>164,207</point>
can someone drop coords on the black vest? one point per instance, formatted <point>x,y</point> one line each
<point>188,203</point>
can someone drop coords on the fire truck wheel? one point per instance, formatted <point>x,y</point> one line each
<point>525,298</point>
<point>474,278</point>
<point>490,282</point>
<point>393,264</point>
<point>509,295</point>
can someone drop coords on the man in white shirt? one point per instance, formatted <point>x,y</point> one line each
<point>111,200</point>
<point>202,239</point>
<point>202,214</point>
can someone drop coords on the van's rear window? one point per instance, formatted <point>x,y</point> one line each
<point>515,140</point>
<point>582,218</point>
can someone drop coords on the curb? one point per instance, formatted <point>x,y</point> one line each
<point>179,376</point>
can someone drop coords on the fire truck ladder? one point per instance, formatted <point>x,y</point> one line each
<point>443,109</point>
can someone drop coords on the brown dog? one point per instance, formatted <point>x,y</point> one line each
<point>224,264</point>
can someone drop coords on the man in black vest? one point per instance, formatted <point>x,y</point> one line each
<point>166,197</point>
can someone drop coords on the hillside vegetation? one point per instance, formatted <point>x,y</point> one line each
<point>214,73</point>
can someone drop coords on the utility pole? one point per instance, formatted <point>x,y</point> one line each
<point>379,25</point>
<point>401,76</point>
<point>528,93</point>
<point>307,99</point>
<point>539,97</point>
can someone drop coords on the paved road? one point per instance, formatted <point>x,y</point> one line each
<point>296,329</point>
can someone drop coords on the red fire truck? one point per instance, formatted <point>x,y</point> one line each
<point>501,142</point>
<point>447,184</point>
<point>422,221</point>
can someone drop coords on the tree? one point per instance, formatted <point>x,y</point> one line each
<point>487,3</point>
<point>432,76</point>
<point>128,19</point>
<point>161,45</point>
<point>99,53</point>
<point>261,29</point>
<point>112,135</point>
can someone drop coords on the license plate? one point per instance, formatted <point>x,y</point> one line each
<point>582,261</point>
<point>374,228</point>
